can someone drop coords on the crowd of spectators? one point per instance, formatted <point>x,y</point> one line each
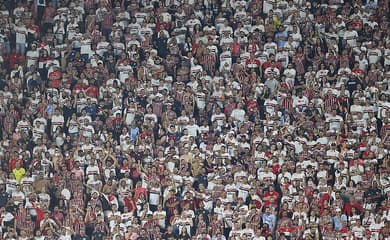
<point>194,119</point>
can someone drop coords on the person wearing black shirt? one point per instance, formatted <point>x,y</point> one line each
<point>98,233</point>
<point>169,234</point>
<point>161,43</point>
<point>184,235</point>
<point>4,196</point>
<point>202,211</point>
<point>81,236</point>
<point>373,194</point>
<point>352,84</point>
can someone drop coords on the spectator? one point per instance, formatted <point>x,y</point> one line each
<point>194,120</point>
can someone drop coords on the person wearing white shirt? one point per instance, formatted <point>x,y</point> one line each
<point>243,189</point>
<point>20,37</point>
<point>332,154</point>
<point>160,216</point>
<point>102,47</point>
<point>300,102</point>
<point>32,56</point>
<point>124,18</point>
<point>134,27</point>
<point>238,113</point>
<point>193,128</point>
<point>47,222</point>
<point>219,117</point>
<point>18,196</point>
<point>296,37</point>
<point>65,234</point>
<point>270,105</point>
<point>85,46</point>
<point>192,22</point>
<point>59,29</point>
<point>290,73</point>
<point>386,54</point>
<point>226,56</point>
<point>154,196</point>
<point>57,120</point>
<point>362,61</point>
<point>266,175</point>
<point>88,129</point>
<point>118,46</point>
<point>268,5</point>
<point>373,54</point>
<point>335,121</point>
<point>376,227</point>
<point>231,190</point>
<point>196,69</point>
<point>226,30</point>
<point>298,175</point>
<point>270,47</point>
<point>282,56</point>
<point>71,28</point>
<point>350,36</point>
<point>92,170</point>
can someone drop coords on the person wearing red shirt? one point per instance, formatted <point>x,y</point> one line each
<point>357,23</point>
<point>188,201</point>
<point>253,64</point>
<point>358,71</point>
<point>92,91</point>
<point>251,105</point>
<point>55,78</point>
<point>162,25</point>
<point>13,160</point>
<point>230,106</point>
<point>80,86</point>
<point>130,203</point>
<point>140,190</point>
<point>13,58</point>
<point>271,198</point>
<point>275,167</point>
<point>352,204</point>
<point>286,230</point>
<point>34,28</point>
<point>271,60</point>
<point>236,48</point>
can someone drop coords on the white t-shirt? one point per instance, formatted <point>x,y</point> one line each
<point>238,114</point>
<point>193,130</point>
<point>32,57</point>
<point>21,32</point>
<point>270,105</point>
<point>91,170</point>
<point>57,121</point>
<point>101,48</point>
<point>154,196</point>
<point>161,219</point>
<point>231,190</point>
<point>373,55</point>
<point>387,57</point>
<point>300,102</point>
<point>88,131</point>
<point>351,37</point>
<point>19,196</point>
<point>334,122</point>
<point>85,46</point>
<point>219,118</point>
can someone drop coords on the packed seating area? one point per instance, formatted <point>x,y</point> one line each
<point>194,119</point>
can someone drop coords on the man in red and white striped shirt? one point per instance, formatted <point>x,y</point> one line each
<point>209,61</point>
<point>287,102</point>
<point>330,100</point>
<point>107,22</point>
